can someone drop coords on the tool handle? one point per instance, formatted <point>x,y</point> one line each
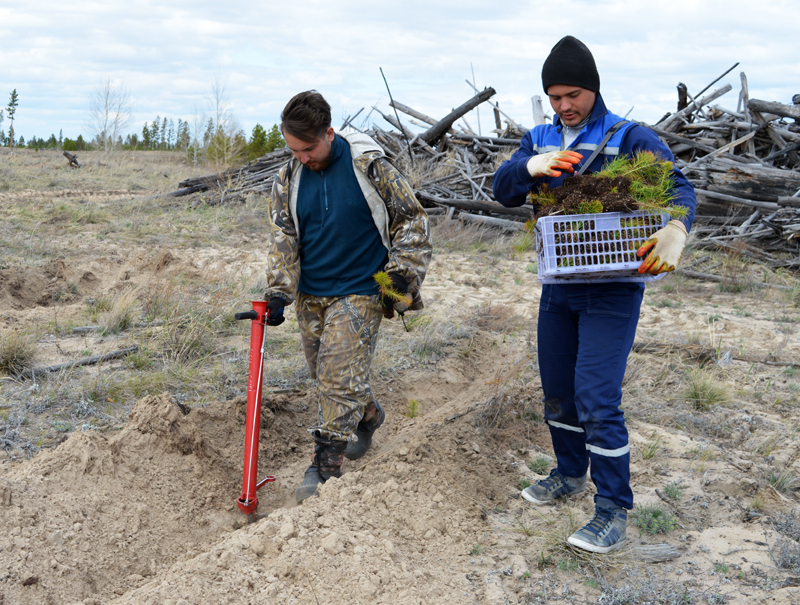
<point>246,315</point>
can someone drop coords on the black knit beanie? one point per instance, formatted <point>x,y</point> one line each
<point>570,63</point>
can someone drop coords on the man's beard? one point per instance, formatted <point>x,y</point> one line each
<point>321,165</point>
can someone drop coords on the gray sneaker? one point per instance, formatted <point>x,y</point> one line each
<point>554,487</point>
<point>605,532</point>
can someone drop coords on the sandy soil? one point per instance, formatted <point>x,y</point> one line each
<point>141,509</point>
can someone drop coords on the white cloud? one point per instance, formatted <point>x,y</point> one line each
<point>54,54</point>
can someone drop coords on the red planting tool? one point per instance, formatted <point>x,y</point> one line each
<point>248,501</point>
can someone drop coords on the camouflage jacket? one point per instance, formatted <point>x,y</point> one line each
<point>398,215</point>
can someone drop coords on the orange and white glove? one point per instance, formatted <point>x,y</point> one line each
<point>550,163</point>
<point>665,247</point>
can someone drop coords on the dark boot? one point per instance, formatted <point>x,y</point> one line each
<point>373,418</point>
<point>326,463</point>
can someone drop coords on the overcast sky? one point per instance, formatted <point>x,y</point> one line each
<point>167,53</point>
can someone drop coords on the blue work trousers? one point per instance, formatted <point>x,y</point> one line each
<point>585,334</point>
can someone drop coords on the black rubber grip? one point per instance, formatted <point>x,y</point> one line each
<point>246,315</point>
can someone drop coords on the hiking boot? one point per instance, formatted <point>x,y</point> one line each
<point>605,532</point>
<point>554,487</point>
<point>326,463</point>
<point>373,418</point>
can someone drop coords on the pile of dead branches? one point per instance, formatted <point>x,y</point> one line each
<point>744,165</point>
<point>743,162</point>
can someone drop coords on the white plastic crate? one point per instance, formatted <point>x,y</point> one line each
<point>594,248</point>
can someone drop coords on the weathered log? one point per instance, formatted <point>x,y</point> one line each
<point>412,138</point>
<point>662,349</point>
<point>737,200</point>
<point>683,96</point>
<point>728,280</point>
<point>731,145</point>
<point>538,111</point>
<point>413,113</point>
<point>655,553</point>
<point>86,361</point>
<point>786,150</point>
<point>433,134</point>
<point>670,123</point>
<point>492,140</point>
<point>499,223</point>
<point>777,136</point>
<point>743,227</point>
<point>476,206</point>
<point>751,181</point>
<point>72,160</point>
<point>185,191</point>
<point>679,139</point>
<point>779,109</point>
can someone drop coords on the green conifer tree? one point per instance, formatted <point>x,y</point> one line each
<point>154,131</point>
<point>258,143</point>
<point>164,133</point>
<point>11,109</point>
<point>275,139</point>
<point>146,136</point>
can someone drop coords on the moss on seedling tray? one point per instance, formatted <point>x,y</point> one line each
<point>644,182</point>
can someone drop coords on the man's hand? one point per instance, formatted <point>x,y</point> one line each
<point>549,164</point>
<point>275,311</point>
<point>399,286</point>
<point>665,247</point>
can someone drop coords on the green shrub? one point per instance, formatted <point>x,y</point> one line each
<point>653,519</point>
<point>539,465</point>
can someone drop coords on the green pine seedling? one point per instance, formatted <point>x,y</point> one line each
<point>387,288</point>
<point>651,186</point>
<point>589,207</point>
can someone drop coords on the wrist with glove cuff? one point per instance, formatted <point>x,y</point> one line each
<point>552,163</point>
<point>275,311</point>
<point>663,249</point>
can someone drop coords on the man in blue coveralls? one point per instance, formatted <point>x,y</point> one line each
<point>586,331</point>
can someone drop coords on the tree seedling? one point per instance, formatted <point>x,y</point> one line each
<point>386,288</point>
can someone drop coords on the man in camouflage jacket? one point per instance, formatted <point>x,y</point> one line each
<point>340,212</point>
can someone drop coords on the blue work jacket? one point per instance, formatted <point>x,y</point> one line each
<point>512,182</point>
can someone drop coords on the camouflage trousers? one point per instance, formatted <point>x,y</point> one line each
<point>339,336</point>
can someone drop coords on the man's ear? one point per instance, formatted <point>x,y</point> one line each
<point>329,134</point>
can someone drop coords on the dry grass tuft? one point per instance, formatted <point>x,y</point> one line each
<point>503,155</point>
<point>512,415</point>
<point>426,170</point>
<point>498,318</point>
<point>125,311</point>
<point>783,481</point>
<point>705,392</point>
<point>433,337</point>
<point>638,584</point>
<point>736,268</point>
<point>556,545</point>
<point>17,352</point>
<point>186,338</point>
<point>458,236</point>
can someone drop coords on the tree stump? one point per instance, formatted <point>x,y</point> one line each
<point>72,160</point>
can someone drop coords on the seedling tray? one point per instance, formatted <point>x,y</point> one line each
<point>587,248</point>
